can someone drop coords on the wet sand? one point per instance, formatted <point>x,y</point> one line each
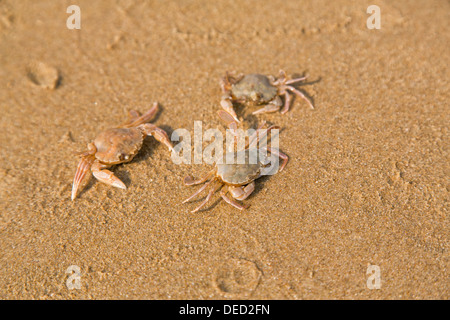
<point>366,184</point>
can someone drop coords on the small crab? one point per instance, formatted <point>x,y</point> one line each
<point>258,89</point>
<point>236,179</point>
<point>117,145</point>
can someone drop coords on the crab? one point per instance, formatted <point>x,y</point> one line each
<point>258,89</point>
<point>238,180</point>
<point>117,145</point>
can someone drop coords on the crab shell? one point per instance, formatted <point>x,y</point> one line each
<point>118,145</point>
<point>254,89</point>
<point>239,174</point>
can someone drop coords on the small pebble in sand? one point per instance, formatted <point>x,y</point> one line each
<point>43,75</point>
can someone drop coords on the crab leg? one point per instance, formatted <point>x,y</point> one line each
<point>210,193</point>
<point>287,102</point>
<point>260,136</point>
<point>228,81</point>
<point>132,116</point>
<point>136,120</point>
<point>99,171</point>
<point>189,180</point>
<point>223,194</point>
<point>281,78</point>
<point>159,134</point>
<point>254,135</point>
<point>199,190</point>
<point>279,154</point>
<point>232,125</point>
<point>296,80</point>
<point>273,106</point>
<point>83,167</point>
<point>300,94</point>
<point>225,83</point>
<point>268,108</point>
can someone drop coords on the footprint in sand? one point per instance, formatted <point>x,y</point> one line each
<point>237,278</point>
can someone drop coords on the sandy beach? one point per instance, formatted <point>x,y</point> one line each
<point>366,187</point>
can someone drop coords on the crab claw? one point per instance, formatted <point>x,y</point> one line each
<point>159,134</point>
<point>227,105</point>
<point>228,119</point>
